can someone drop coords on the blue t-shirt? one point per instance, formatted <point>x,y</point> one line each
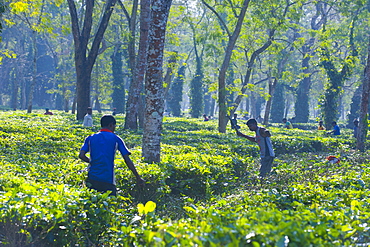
<point>336,130</point>
<point>102,147</point>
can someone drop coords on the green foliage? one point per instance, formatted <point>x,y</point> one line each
<point>204,192</point>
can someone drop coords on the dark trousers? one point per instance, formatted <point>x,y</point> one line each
<point>101,186</point>
<point>266,165</point>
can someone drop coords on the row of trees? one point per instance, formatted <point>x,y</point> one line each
<point>236,55</point>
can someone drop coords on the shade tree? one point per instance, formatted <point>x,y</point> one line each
<point>269,22</point>
<point>34,17</point>
<point>86,49</point>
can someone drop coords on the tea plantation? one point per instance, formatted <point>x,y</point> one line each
<point>205,191</point>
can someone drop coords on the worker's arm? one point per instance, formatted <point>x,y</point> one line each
<point>83,156</point>
<point>251,138</point>
<point>131,166</point>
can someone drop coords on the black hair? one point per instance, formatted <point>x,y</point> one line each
<point>252,121</point>
<point>106,120</point>
<point>333,122</point>
<point>284,119</point>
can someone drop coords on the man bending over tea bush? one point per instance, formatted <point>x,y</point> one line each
<point>102,147</point>
<point>263,140</point>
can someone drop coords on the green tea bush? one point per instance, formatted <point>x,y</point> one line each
<point>204,192</point>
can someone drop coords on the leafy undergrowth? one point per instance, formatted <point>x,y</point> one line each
<point>205,191</point>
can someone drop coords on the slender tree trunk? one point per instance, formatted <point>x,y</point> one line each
<point>34,72</point>
<point>136,87</point>
<point>15,87</point>
<point>302,111</point>
<point>363,124</point>
<point>74,104</point>
<point>272,85</point>
<point>97,92</point>
<point>23,94</point>
<point>65,99</point>
<point>196,92</point>
<point>222,119</point>
<point>118,95</point>
<point>154,106</point>
<point>248,74</point>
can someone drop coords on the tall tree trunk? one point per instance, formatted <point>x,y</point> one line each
<point>278,104</point>
<point>84,64</point>
<point>336,78</point>
<point>74,104</point>
<point>97,92</point>
<point>363,124</point>
<point>196,92</point>
<point>175,93</point>
<point>222,112</point>
<point>302,101</point>
<point>301,108</point>
<point>222,104</point>
<point>65,99</point>
<point>355,106</point>
<point>271,87</point>
<point>17,75</point>
<point>252,59</point>
<point>172,61</point>
<point>34,72</point>
<point>154,106</point>
<point>118,95</point>
<point>272,84</point>
<point>23,94</point>
<point>134,100</point>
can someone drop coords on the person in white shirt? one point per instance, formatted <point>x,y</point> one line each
<point>88,120</point>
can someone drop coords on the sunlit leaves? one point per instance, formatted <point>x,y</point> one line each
<point>19,6</point>
<point>6,53</point>
<point>148,208</point>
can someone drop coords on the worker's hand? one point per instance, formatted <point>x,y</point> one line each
<point>140,181</point>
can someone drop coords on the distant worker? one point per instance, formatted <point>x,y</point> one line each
<point>264,142</point>
<point>287,124</point>
<point>321,125</point>
<point>102,147</point>
<point>47,112</point>
<point>114,111</point>
<point>355,128</point>
<point>336,129</point>
<point>205,118</point>
<point>234,122</point>
<point>88,120</point>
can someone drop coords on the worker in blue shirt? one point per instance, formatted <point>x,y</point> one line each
<point>336,129</point>
<point>102,147</point>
